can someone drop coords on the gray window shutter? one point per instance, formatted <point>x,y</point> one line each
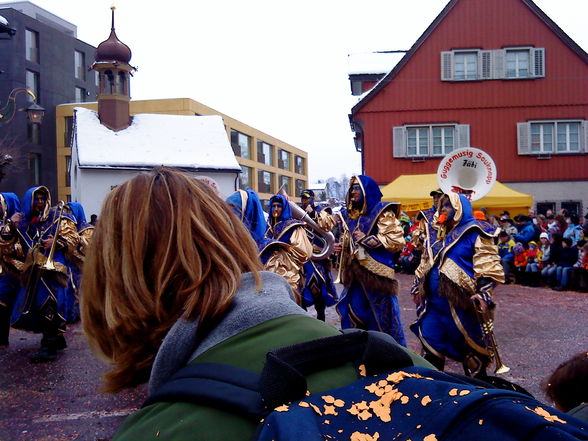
<point>524,138</point>
<point>446,66</point>
<point>399,142</point>
<point>462,135</point>
<point>498,64</point>
<point>585,136</point>
<point>485,64</point>
<point>538,60</point>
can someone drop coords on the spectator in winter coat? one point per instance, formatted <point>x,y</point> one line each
<point>544,245</point>
<point>550,266</point>
<point>567,259</point>
<point>526,229</point>
<point>505,246</point>
<point>574,230</point>
<point>506,224</point>
<point>520,261</point>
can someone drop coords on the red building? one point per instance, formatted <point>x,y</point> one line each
<point>498,75</point>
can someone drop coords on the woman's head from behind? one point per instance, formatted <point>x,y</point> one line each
<point>166,247</point>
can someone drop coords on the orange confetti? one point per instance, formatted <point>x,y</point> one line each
<point>329,399</point>
<point>327,422</point>
<point>419,426</point>
<point>480,422</point>
<point>404,399</point>
<point>339,403</point>
<point>283,408</point>
<point>464,392</point>
<point>303,404</point>
<point>316,409</point>
<point>426,400</point>
<point>430,437</point>
<point>453,392</point>
<point>330,410</point>
<point>542,412</point>
<point>362,370</point>
<point>358,436</point>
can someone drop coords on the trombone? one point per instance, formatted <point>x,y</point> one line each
<point>49,264</point>
<point>487,325</point>
<point>346,233</point>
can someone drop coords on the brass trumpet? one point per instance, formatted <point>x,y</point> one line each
<point>487,325</point>
<point>49,264</point>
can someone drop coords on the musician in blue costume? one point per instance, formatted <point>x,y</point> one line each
<point>372,235</point>
<point>11,262</point>
<point>318,283</point>
<point>297,250</point>
<point>77,257</point>
<point>458,271</point>
<point>40,306</point>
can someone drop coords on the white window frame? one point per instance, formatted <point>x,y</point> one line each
<point>525,137</point>
<point>492,64</point>
<point>517,62</point>
<point>400,137</point>
<point>468,58</point>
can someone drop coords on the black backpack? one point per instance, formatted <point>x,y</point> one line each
<point>393,400</point>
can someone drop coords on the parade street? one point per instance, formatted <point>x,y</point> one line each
<point>536,329</point>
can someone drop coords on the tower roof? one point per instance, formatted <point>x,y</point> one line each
<point>112,49</point>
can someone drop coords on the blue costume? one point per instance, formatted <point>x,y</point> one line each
<point>369,299</point>
<point>41,303</point>
<point>11,262</point>
<point>296,250</point>
<point>456,265</point>
<point>85,231</point>
<point>319,289</point>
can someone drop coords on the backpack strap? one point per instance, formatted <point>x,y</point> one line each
<point>283,377</point>
<point>216,385</point>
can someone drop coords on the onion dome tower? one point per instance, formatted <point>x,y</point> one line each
<point>114,72</point>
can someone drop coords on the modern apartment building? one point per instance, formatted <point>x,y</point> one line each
<point>44,56</point>
<point>267,163</point>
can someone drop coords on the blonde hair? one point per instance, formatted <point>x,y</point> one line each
<point>165,247</point>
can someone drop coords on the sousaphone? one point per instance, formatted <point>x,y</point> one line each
<point>468,171</point>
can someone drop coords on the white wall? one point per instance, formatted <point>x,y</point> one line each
<point>92,185</point>
<point>557,192</point>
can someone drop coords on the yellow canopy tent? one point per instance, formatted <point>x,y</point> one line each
<point>412,191</point>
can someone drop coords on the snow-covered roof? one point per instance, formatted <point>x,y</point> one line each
<point>192,142</point>
<point>372,62</point>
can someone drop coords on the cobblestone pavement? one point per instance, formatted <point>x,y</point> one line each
<point>536,329</point>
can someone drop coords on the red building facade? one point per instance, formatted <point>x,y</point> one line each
<point>500,76</point>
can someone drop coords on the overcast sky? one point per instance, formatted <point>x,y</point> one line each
<point>279,66</point>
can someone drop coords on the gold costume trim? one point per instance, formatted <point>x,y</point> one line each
<point>390,232</point>
<point>487,260</point>
<point>457,275</point>
<point>326,221</point>
<point>476,347</point>
<point>373,266</point>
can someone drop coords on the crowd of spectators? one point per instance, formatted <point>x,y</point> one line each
<point>535,250</point>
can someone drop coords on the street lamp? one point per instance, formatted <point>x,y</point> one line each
<point>35,113</point>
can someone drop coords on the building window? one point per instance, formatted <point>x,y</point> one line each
<point>265,153</point>
<point>32,45</point>
<point>429,140</point>
<point>517,63</point>
<point>497,64</point>
<point>552,137</point>
<point>80,65</point>
<point>32,83</point>
<point>542,207</point>
<point>241,144</point>
<point>68,171</point>
<point>284,159</point>
<point>265,182</point>
<point>465,66</point>
<point>80,95</point>
<point>68,131</point>
<point>96,79</point>
<point>285,183</point>
<point>245,178</point>
<point>34,169</point>
<point>572,207</point>
<point>34,133</point>
<point>299,164</point>
<point>356,87</point>
<point>299,187</point>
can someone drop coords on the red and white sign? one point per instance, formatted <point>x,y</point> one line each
<point>469,171</point>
